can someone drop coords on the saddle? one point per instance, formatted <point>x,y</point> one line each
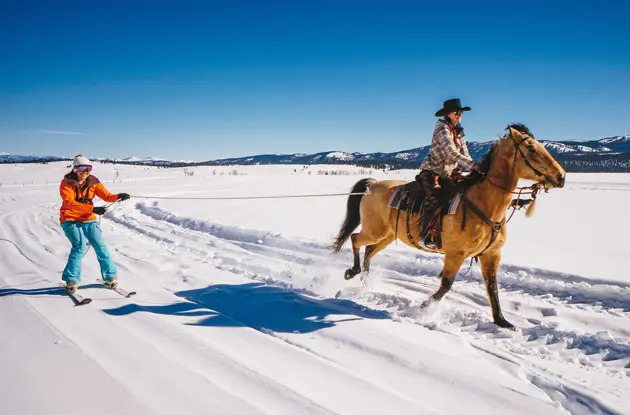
<point>409,198</point>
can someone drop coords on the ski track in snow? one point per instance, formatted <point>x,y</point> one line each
<point>398,283</point>
<point>541,340</point>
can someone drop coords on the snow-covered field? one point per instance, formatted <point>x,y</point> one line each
<point>242,309</point>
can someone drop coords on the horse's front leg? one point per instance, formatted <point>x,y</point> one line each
<point>489,267</point>
<point>452,264</point>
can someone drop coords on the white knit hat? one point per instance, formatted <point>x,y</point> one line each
<point>80,160</point>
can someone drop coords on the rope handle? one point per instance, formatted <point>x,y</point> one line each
<point>250,197</point>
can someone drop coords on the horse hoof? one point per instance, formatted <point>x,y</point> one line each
<point>427,303</point>
<point>504,324</point>
<point>350,274</point>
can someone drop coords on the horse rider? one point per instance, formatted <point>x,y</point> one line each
<point>448,150</point>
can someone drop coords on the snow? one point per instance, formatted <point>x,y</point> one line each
<point>17,158</point>
<point>406,156</point>
<point>241,308</point>
<point>574,148</point>
<point>145,159</point>
<point>339,155</point>
<point>618,139</point>
<point>588,149</point>
<point>558,147</point>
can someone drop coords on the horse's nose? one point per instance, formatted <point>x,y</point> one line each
<point>561,178</point>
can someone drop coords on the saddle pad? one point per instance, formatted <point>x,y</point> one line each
<point>396,198</point>
<point>454,203</point>
<point>404,198</point>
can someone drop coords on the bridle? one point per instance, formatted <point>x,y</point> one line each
<point>525,159</point>
<point>533,189</point>
<point>516,204</point>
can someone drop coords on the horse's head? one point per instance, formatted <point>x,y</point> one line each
<point>532,161</point>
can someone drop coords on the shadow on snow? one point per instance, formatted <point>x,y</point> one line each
<point>54,290</point>
<point>259,306</point>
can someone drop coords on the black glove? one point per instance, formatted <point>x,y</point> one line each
<point>477,168</point>
<point>123,196</point>
<point>99,210</point>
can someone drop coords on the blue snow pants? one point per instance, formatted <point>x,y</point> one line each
<point>78,233</point>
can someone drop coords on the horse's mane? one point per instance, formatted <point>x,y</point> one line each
<point>521,129</point>
<point>483,166</point>
<point>476,177</point>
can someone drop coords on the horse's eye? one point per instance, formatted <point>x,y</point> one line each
<point>531,149</point>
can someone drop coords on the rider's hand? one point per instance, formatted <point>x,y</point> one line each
<point>99,210</point>
<point>123,196</point>
<point>476,168</point>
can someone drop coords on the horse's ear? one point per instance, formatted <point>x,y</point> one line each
<point>514,132</point>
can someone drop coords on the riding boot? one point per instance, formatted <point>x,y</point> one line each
<point>427,239</point>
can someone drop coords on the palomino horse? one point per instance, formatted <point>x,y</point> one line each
<point>475,230</point>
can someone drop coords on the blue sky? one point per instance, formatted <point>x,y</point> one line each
<point>205,80</point>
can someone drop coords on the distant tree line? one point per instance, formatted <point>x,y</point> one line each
<point>575,163</point>
<point>36,161</point>
<point>597,162</point>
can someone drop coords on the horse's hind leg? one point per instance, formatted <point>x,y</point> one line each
<point>360,239</point>
<point>452,264</point>
<point>489,266</point>
<point>372,250</point>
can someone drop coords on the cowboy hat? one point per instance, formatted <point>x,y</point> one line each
<point>451,105</point>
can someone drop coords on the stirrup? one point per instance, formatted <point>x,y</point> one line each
<point>429,242</point>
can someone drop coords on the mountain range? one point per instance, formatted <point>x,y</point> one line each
<point>604,147</point>
<point>610,154</point>
<point>603,155</point>
<point>16,158</point>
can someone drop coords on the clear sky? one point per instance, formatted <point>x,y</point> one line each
<point>210,79</point>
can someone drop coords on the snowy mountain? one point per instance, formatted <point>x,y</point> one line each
<point>606,154</point>
<point>619,143</point>
<point>138,159</point>
<point>150,161</point>
<point>16,158</point>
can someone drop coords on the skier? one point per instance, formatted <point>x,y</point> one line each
<point>448,150</point>
<point>78,220</point>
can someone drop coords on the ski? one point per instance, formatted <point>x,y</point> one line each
<point>119,290</point>
<point>76,296</point>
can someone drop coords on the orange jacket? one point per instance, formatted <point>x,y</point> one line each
<point>77,200</point>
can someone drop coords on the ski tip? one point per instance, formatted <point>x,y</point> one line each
<point>85,301</point>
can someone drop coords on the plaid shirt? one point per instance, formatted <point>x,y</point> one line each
<point>445,155</point>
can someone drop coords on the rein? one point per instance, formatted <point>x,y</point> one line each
<point>495,226</point>
<point>524,190</point>
<point>516,204</point>
<point>533,189</point>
